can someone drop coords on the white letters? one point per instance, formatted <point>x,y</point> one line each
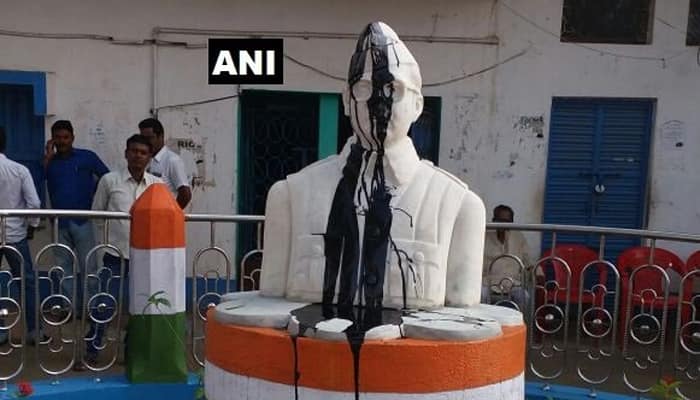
<point>270,62</point>
<point>224,63</point>
<point>245,62</point>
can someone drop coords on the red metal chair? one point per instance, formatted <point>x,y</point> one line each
<point>693,262</point>
<point>576,257</point>
<point>648,286</point>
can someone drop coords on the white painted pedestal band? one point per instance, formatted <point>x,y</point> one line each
<point>224,385</point>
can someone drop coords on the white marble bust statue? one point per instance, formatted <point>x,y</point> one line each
<point>375,225</point>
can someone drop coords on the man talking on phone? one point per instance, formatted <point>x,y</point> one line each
<point>71,176</point>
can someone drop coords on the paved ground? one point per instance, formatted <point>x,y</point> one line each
<point>642,367</point>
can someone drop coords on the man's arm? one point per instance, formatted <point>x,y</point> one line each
<point>98,167</point>
<point>178,177</point>
<point>528,263</point>
<point>184,195</point>
<point>99,203</point>
<point>31,199</point>
<point>523,251</point>
<point>49,153</point>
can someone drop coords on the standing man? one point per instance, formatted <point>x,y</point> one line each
<point>72,175</point>
<point>18,192</point>
<point>165,163</point>
<point>117,191</point>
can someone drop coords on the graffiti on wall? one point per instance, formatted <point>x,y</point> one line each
<point>533,124</point>
<point>192,151</point>
<point>464,119</point>
<point>673,135</point>
<point>672,144</point>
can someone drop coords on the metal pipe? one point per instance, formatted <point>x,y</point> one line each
<point>682,237</point>
<point>643,233</point>
<point>490,40</point>
<point>223,218</point>
<point>154,75</point>
<point>4,213</point>
<point>54,230</point>
<point>212,234</point>
<point>63,213</point>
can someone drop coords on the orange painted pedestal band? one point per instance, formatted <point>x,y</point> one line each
<point>392,366</point>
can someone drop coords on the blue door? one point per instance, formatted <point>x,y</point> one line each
<point>597,167</point>
<point>22,105</point>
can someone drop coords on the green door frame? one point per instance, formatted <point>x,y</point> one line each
<point>327,143</point>
<point>327,124</point>
<point>327,131</point>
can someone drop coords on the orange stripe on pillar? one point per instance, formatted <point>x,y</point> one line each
<point>156,220</point>
<point>396,366</point>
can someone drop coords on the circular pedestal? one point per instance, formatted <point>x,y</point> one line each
<point>266,363</point>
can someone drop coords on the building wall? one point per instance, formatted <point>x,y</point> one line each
<point>491,122</point>
<point>524,88</point>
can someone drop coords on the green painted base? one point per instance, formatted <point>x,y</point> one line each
<point>156,349</point>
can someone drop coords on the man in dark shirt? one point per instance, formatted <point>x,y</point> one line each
<point>72,176</point>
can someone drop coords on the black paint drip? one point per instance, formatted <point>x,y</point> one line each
<point>345,267</point>
<point>375,245</point>
<point>363,319</point>
<point>355,339</point>
<point>296,367</point>
<point>341,237</point>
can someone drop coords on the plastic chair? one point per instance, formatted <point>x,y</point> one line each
<point>648,286</point>
<point>577,257</point>
<point>552,290</point>
<point>693,262</point>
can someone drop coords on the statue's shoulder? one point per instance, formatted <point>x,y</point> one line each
<point>470,200</point>
<point>320,166</point>
<point>320,176</point>
<point>439,173</point>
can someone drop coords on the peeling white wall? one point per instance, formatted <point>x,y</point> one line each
<point>495,125</point>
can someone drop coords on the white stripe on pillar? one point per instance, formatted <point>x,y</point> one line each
<point>155,270</point>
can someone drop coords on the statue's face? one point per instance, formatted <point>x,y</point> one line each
<point>383,95</point>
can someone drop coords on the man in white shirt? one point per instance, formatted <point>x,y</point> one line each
<point>165,163</point>
<point>18,192</point>
<point>117,191</point>
<point>502,276</point>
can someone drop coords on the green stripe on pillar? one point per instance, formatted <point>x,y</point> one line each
<point>156,348</point>
<point>327,125</point>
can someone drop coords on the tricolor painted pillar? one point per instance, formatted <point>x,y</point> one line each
<point>156,334</point>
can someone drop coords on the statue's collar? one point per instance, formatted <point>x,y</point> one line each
<point>400,160</point>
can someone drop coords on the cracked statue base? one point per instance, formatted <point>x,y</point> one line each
<point>258,349</point>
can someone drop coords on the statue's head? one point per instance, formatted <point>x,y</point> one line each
<point>383,95</point>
